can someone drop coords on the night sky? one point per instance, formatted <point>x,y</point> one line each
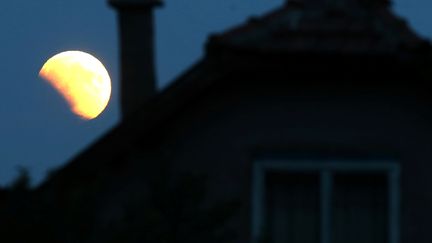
<point>38,131</point>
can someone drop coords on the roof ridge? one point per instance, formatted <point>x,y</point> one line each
<point>298,27</point>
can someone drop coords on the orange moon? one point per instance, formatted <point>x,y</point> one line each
<point>81,79</point>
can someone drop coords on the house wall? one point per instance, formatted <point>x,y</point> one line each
<point>223,130</point>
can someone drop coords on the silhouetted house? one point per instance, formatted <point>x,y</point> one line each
<point>316,118</point>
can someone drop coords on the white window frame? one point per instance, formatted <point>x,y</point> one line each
<point>325,169</point>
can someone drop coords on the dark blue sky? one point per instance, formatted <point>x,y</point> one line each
<point>37,129</point>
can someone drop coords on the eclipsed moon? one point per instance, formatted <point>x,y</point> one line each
<point>81,79</point>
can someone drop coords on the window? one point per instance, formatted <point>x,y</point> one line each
<point>325,202</point>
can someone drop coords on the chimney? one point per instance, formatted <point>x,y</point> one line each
<point>137,68</point>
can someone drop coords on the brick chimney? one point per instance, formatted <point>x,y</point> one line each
<point>137,67</point>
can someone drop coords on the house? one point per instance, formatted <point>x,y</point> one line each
<point>314,118</point>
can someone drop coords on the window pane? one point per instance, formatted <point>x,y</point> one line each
<point>292,208</point>
<point>360,208</point>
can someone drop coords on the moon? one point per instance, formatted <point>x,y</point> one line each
<point>81,79</point>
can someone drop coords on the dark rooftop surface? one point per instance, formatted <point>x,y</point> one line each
<point>355,26</point>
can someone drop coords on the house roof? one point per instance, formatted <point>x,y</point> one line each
<point>296,27</point>
<point>350,26</point>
